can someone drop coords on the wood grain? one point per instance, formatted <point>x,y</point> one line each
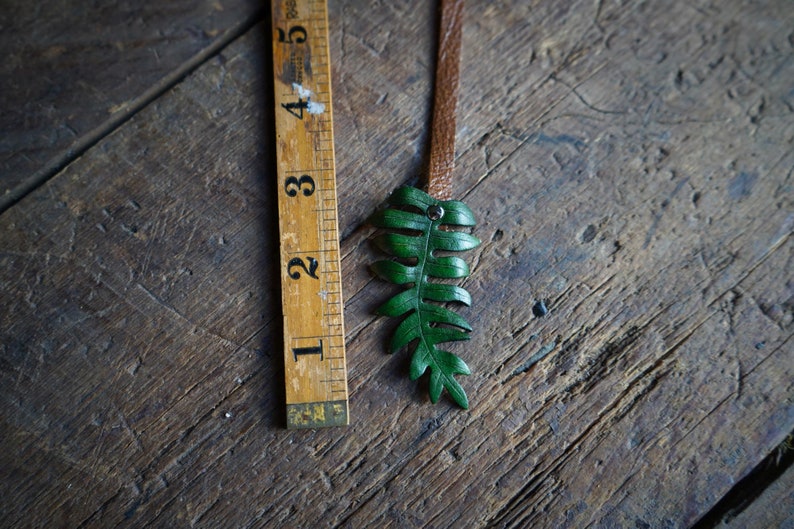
<point>70,67</point>
<point>630,165</point>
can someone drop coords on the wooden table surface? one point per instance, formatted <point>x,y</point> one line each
<point>630,164</point>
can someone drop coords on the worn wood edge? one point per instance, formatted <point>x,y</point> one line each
<point>774,508</point>
<point>767,491</point>
<point>59,162</point>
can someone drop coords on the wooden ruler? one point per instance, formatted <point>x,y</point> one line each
<point>311,284</point>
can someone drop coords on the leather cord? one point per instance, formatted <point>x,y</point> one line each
<point>445,100</point>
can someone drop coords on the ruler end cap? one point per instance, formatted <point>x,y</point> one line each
<point>317,414</point>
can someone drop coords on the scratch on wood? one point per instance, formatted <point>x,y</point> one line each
<point>541,353</point>
<point>126,425</point>
<point>658,217</point>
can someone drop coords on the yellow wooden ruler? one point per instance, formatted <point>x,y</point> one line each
<point>311,284</point>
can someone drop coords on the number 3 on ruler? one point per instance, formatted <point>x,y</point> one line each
<point>293,184</point>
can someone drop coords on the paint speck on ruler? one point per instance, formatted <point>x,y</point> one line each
<point>312,107</point>
<point>315,108</point>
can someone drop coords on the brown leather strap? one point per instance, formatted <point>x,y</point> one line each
<point>442,135</point>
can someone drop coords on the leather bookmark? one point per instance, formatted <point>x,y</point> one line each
<point>416,225</point>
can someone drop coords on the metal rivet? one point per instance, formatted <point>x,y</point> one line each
<point>435,212</point>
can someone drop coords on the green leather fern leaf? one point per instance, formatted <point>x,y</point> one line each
<point>413,220</point>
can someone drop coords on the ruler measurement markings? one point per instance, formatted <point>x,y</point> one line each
<point>309,245</point>
<point>307,252</point>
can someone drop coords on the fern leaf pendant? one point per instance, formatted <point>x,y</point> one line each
<point>418,224</point>
<point>414,221</point>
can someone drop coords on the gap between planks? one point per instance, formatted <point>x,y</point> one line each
<point>60,161</point>
<point>750,488</point>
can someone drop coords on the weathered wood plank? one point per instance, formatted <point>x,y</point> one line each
<point>114,302</point>
<point>71,66</point>
<point>651,209</point>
